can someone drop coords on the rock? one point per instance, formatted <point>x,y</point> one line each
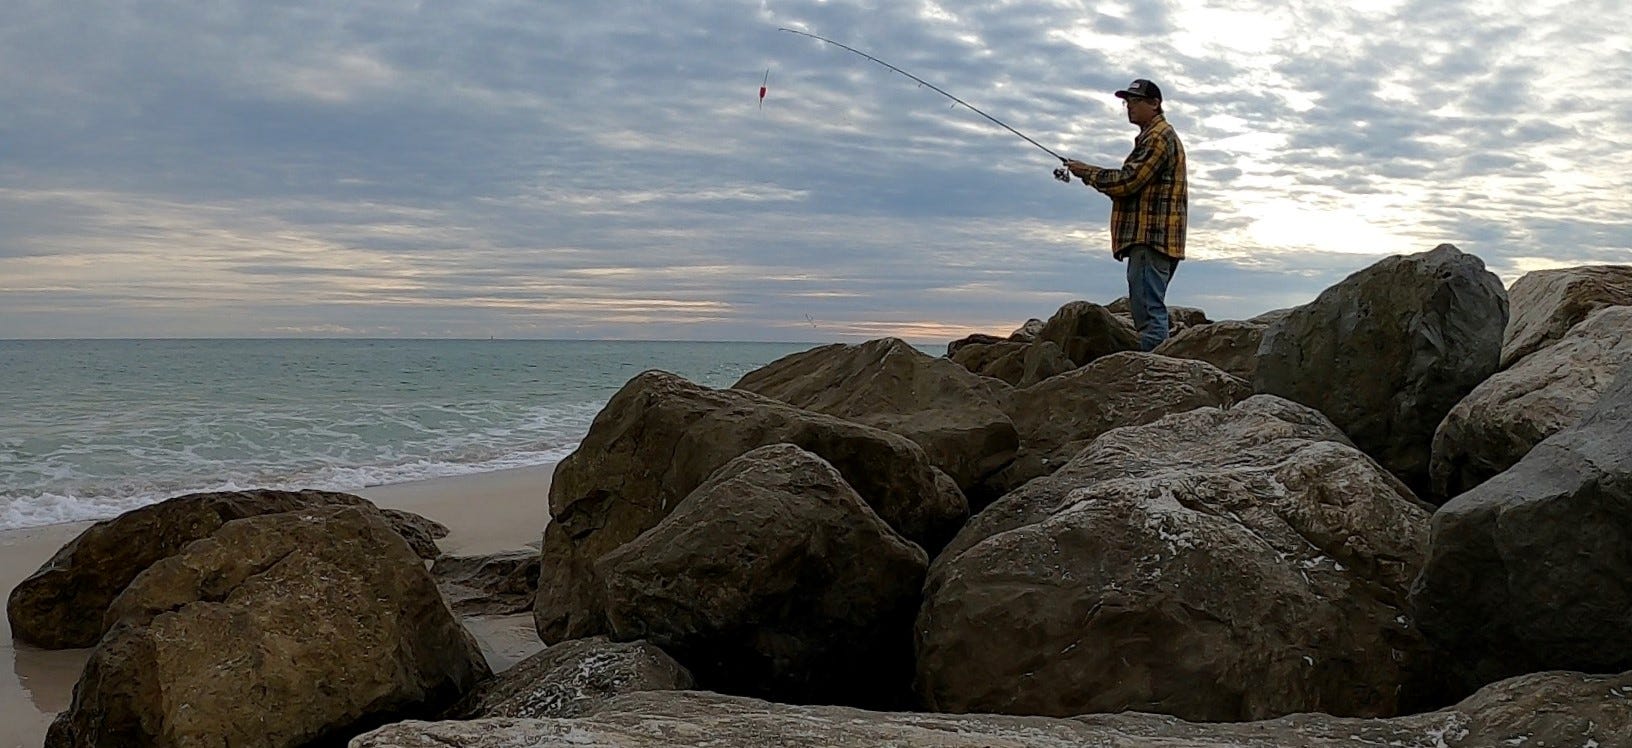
<point>1028,331</point>
<point>1552,709</point>
<point>1220,564</point>
<point>1231,345</point>
<point>1388,352</point>
<point>1016,364</point>
<point>953,347</point>
<point>494,585</point>
<point>572,678</point>
<point>1547,303</point>
<point>1178,317</point>
<point>1532,569</point>
<point>1058,417</point>
<point>276,630</point>
<point>1086,331</point>
<point>420,532</point>
<point>774,579</point>
<point>61,605</point>
<point>1498,423</point>
<point>661,436</point>
<point>954,415</point>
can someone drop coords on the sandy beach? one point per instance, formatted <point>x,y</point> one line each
<point>485,513</point>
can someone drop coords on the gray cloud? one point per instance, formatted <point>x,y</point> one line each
<point>573,169</point>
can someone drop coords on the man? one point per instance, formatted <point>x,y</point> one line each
<point>1149,201</point>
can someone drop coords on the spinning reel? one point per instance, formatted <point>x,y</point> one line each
<point>1063,174</point>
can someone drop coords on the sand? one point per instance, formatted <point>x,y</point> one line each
<point>485,513</point>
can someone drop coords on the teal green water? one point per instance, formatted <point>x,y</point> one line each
<point>92,428</point>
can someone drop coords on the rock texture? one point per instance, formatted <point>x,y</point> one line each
<point>1532,569</point>
<point>573,678</point>
<point>1498,423</point>
<point>498,584</point>
<point>774,579</point>
<point>1085,331</point>
<point>1231,345</point>
<point>1015,363</point>
<point>1221,564</point>
<point>1547,303</point>
<point>1058,417</point>
<point>954,415</point>
<point>276,630</point>
<point>1388,352</point>
<point>1550,709</point>
<point>661,436</point>
<point>61,606</point>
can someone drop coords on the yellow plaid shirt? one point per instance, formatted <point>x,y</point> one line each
<point>1149,194</point>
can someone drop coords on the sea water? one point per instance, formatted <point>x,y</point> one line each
<point>93,428</point>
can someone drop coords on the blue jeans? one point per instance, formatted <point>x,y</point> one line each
<point>1149,270</point>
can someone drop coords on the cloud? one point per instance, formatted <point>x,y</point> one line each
<point>578,169</point>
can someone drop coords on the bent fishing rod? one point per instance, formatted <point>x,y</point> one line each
<point>1060,174</point>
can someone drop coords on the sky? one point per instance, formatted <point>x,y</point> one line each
<point>603,169</point>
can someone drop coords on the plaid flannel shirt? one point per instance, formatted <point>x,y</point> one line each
<point>1149,194</point>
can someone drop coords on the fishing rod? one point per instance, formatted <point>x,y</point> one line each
<point>1060,174</point>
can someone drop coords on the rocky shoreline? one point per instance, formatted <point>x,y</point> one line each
<point>1399,515</point>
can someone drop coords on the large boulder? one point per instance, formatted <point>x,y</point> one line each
<point>1231,345</point>
<point>952,413</point>
<point>1551,709</point>
<point>497,584</point>
<point>573,678</point>
<point>661,436</point>
<point>1058,417</point>
<point>1222,564</point>
<point>1547,303</point>
<point>1498,423</point>
<point>1018,364</point>
<point>1085,331</point>
<point>61,605</point>
<point>1532,569</point>
<point>774,579</point>
<point>1389,351</point>
<point>277,630</point>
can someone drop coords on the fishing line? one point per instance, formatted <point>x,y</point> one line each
<point>1060,174</point>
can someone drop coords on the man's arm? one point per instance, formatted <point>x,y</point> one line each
<point>1141,167</point>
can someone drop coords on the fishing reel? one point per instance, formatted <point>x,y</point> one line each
<point>1063,174</point>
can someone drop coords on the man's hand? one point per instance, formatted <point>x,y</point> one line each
<point>1082,171</point>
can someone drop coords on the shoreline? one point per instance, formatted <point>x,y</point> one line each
<point>484,513</point>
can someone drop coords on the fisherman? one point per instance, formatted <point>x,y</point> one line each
<point>1149,202</point>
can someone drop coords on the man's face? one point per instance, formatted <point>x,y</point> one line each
<point>1140,109</point>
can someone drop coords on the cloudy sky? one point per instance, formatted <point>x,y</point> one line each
<point>601,169</point>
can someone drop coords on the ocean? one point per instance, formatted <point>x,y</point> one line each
<point>93,428</point>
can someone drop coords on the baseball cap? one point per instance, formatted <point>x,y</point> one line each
<point>1140,88</point>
